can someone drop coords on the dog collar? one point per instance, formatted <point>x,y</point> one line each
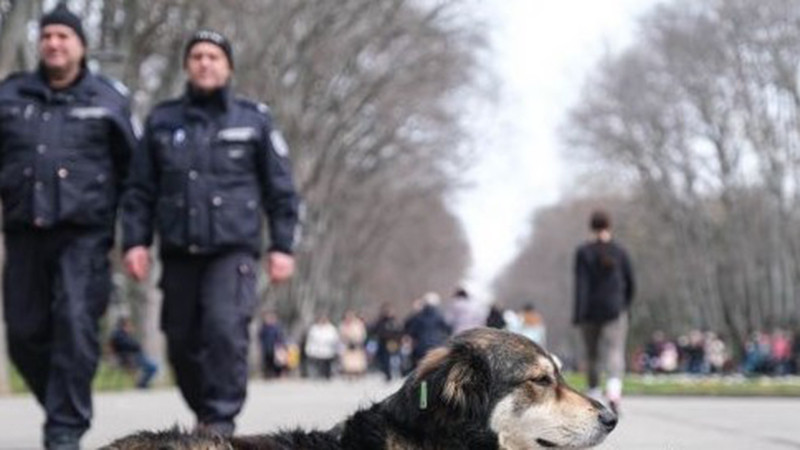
<point>423,395</point>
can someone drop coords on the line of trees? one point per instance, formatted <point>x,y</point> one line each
<point>696,126</point>
<point>367,96</point>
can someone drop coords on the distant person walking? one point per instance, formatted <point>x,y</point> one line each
<point>531,325</point>
<point>353,334</point>
<point>387,334</point>
<point>274,351</point>
<point>321,347</point>
<point>426,328</point>
<point>464,312</point>
<point>604,290</point>
<point>129,352</point>
<point>495,318</point>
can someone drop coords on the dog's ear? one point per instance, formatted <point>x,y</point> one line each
<point>432,362</point>
<point>458,377</point>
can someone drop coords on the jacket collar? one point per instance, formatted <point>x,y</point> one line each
<point>204,105</point>
<point>38,86</point>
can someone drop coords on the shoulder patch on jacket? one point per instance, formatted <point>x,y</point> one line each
<point>279,143</point>
<point>115,84</point>
<point>262,108</point>
<point>258,106</point>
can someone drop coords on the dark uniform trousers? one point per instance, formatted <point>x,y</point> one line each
<point>64,158</point>
<point>208,304</point>
<point>56,286</point>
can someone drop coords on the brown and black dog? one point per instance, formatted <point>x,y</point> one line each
<point>487,389</point>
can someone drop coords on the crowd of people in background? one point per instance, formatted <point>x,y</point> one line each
<point>776,353</point>
<point>394,345</point>
<point>390,344</point>
<point>706,353</point>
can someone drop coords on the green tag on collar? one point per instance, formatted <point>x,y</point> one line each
<point>423,395</point>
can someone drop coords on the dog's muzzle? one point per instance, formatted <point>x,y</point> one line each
<point>608,419</point>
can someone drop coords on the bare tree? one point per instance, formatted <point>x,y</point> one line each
<point>366,93</point>
<point>702,114</point>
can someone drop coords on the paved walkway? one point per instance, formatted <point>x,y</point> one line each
<point>647,422</point>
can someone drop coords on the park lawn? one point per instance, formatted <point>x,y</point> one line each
<point>110,378</point>
<point>681,384</point>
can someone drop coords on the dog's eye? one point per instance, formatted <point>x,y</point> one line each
<point>542,380</point>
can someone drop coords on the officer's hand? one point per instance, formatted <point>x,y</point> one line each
<point>137,262</point>
<point>280,266</point>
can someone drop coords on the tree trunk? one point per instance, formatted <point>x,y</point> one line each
<point>12,35</point>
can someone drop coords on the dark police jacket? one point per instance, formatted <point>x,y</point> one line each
<point>604,282</point>
<point>64,155</point>
<point>208,168</point>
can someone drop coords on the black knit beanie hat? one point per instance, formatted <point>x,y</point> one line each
<point>212,37</point>
<point>61,15</point>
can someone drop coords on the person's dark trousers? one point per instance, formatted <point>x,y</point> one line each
<point>56,286</point>
<point>148,369</point>
<point>385,363</point>
<point>269,367</point>
<point>606,340</point>
<point>208,305</point>
<point>325,368</point>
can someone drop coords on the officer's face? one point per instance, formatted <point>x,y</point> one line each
<point>60,48</point>
<point>207,67</point>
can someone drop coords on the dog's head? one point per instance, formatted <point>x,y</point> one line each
<point>498,389</point>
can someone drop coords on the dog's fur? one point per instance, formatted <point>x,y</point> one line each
<point>487,389</point>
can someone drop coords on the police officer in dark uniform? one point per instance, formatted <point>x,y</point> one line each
<point>65,144</point>
<point>209,167</point>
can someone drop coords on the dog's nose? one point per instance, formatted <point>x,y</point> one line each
<point>608,419</point>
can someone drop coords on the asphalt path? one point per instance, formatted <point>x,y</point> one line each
<point>646,422</point>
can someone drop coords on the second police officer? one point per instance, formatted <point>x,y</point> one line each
<point>210,166</point>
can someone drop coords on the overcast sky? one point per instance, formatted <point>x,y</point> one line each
<point>541,52</point>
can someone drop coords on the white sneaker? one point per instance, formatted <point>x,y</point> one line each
<point>614,389</point>
<point>596,394</point>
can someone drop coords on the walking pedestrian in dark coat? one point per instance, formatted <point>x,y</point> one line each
<point>426,328</point>
<point>387,334</point>
<point>274,352</point>
<point>604,290</point>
